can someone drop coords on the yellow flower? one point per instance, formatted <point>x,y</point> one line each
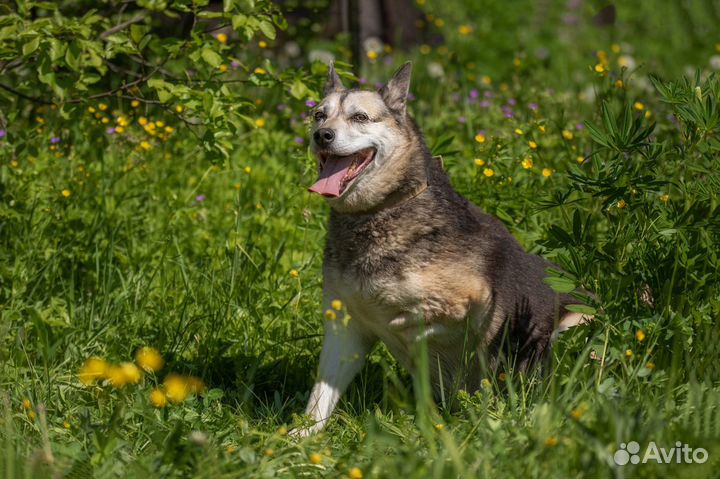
<point>439,22</point>
<point>551,441</point>
<point>330,315</point>
<point>486,80</point>
<point>664,198</point>
<point>615,48</point>
<point>268,452</point>
<point>640,335</point>
<point>465,30</point>
<point>222,38</point>
<point>259,71</point>
<point>262,44</point>
<point>31,415</point>
<point>425,49</point>
<point>628,353</point>
<point>149,359</point>
<point>247,170</point>
<point>67,425</point>
<point>504,87</point>
<point>479,162</point>
<point>102,107</point>
<point>546,172</point>
<point>223,68</point>
<point>315,458</point>
<point>66,193</point>
<point>372,55</point>
<point>176,388</point>
<point>621,204</point>
<point>599,68</point>
<point>105,120</point>
<point>91,109</point>
<point>145,145</point>
<point>580,159</point>
<point>142,121</point>
<point>93,369</point>
<point>125,373</point>
<point>336,304</point>
<point>488,172</point>
<point>159,123</point>
<point>260,122</point>
<point>480,138</point>
<point>648,114</point>
<point>638,106</point>
<point>26,403</point>
<point>567,134</point>
<point>485,383</point>
<point>195,385</point>
<point>169,129</point>
<point>576,414</point>
<point>439,426</point>
<point>282,430</point>
<point>541,128</point>
<point>532,144</point>
<point>119,129</point>
<point>502,377</point>
<point>650,365</point>
<point>619,83</point>
<point>355,473</point>
<point>294,273</point>
<point>179,109</point>
<point>518,131</point>
<point>158,398</point>
<point>527,163</point>
<point>134,103</point>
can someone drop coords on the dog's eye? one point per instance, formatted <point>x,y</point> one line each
<point>360,117</point>
<point>319,116</point>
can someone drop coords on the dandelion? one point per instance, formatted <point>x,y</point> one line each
<point>465,30</point>
<point>372,55</point>
<point>91,109</point>
<point>336,304</point>
<point>619,83</point>
<point>294,273</point>
<point>567,134</point>
<point>546,172</point>
<point>40,119</point>
<point>479,162</point>
<point>223,68</point>
<point>176,388</point>
<point>330,315</point>
<point>315,458</point>
<point>105,120</point>
<point>425,49</point>
<point>31,415</point>
<point>648,114</point>
<point>628,353</point>
<point>527,163</point>
<point>149,359</point>
<point>480,138</point>
<point>145,145</point>
<point>158,398</point>
<point>650,366</point>
<point>439,426</point>
<point>615,48</point>
<point>268,452</point>
<point>551,441</point>
<point>247,170</point>
<point>282,430</point>
<point>502,377</point>
<point>355,473</point>
<point>518,131</point>
<point>638,106</point>
<point>66,193</point>
<point>486,80</point>
<point>222,38</point>
<point>260,122</point>
<point>102,107</point>
<point>488,172</point>
<point>119,129</point>
<point>67,425</point>
<point>179,109</point>
<point>135,104</point>
<point>664,198</point>
<point>621,204</point>
<point>26,404</point>
<point>126,373</point>
<point>599,68</point>
<point>640,335</point>
<point>542,129</point>
<point>142,121</point>
<point>579,159</point>
<point>169,130</point>
<point>576,414</point>
<point>532,144</point>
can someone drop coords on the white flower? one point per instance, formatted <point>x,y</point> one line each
<point>715,62</point>
<point>292,49</point>
<point>435,70</point>
<point>627,61</point>
<point>322,56</point>
<point>373,44</point>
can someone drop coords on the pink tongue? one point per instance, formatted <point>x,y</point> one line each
<point>331,177</point>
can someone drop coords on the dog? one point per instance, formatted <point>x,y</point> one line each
<point>413,261</point>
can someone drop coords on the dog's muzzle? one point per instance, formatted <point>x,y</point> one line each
<point>324,136</point>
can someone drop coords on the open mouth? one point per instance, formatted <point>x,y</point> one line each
<point>338,172</point>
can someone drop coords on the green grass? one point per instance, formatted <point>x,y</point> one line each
<point>132,257</point>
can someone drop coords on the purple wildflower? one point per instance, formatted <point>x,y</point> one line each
<point>362,80</point>
<point>310,103</point>
<point>55,140</point>
<point>485,104</point>
<point>512,101</point>
<point>299,140</point>
<point>533,106</point>
<point>579,126</point>
<point>3,133</point>
<point>200,198</point>
<point>303,115</point>
<point>379,85</point>
<point>462,119</point>
<point>235,64</point>
<point>281,106</point>
<point>488,94</point>
<point>410,97</point>
<point>474,93</point>
<point>110,130</point>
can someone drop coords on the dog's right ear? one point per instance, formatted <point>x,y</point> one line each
<point>333,83</point>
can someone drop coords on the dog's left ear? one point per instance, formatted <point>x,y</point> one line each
<point>395,93</point>
<point>333,83</point>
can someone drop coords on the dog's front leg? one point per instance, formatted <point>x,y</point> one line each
<point>343,354</point>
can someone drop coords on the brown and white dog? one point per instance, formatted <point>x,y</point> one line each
<point>411,259</point>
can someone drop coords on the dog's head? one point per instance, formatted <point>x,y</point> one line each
<point>364,142</point>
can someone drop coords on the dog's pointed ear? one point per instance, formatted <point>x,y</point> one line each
<point>333,83</point>
<point>395,93</point>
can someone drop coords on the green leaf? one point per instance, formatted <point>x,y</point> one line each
<point>268,29</point>
<point>211,57</point>
<point>30,46</point>
<point>560,284</point>
<point>581,308</point>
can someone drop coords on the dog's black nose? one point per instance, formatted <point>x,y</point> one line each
<point>324,136</point>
